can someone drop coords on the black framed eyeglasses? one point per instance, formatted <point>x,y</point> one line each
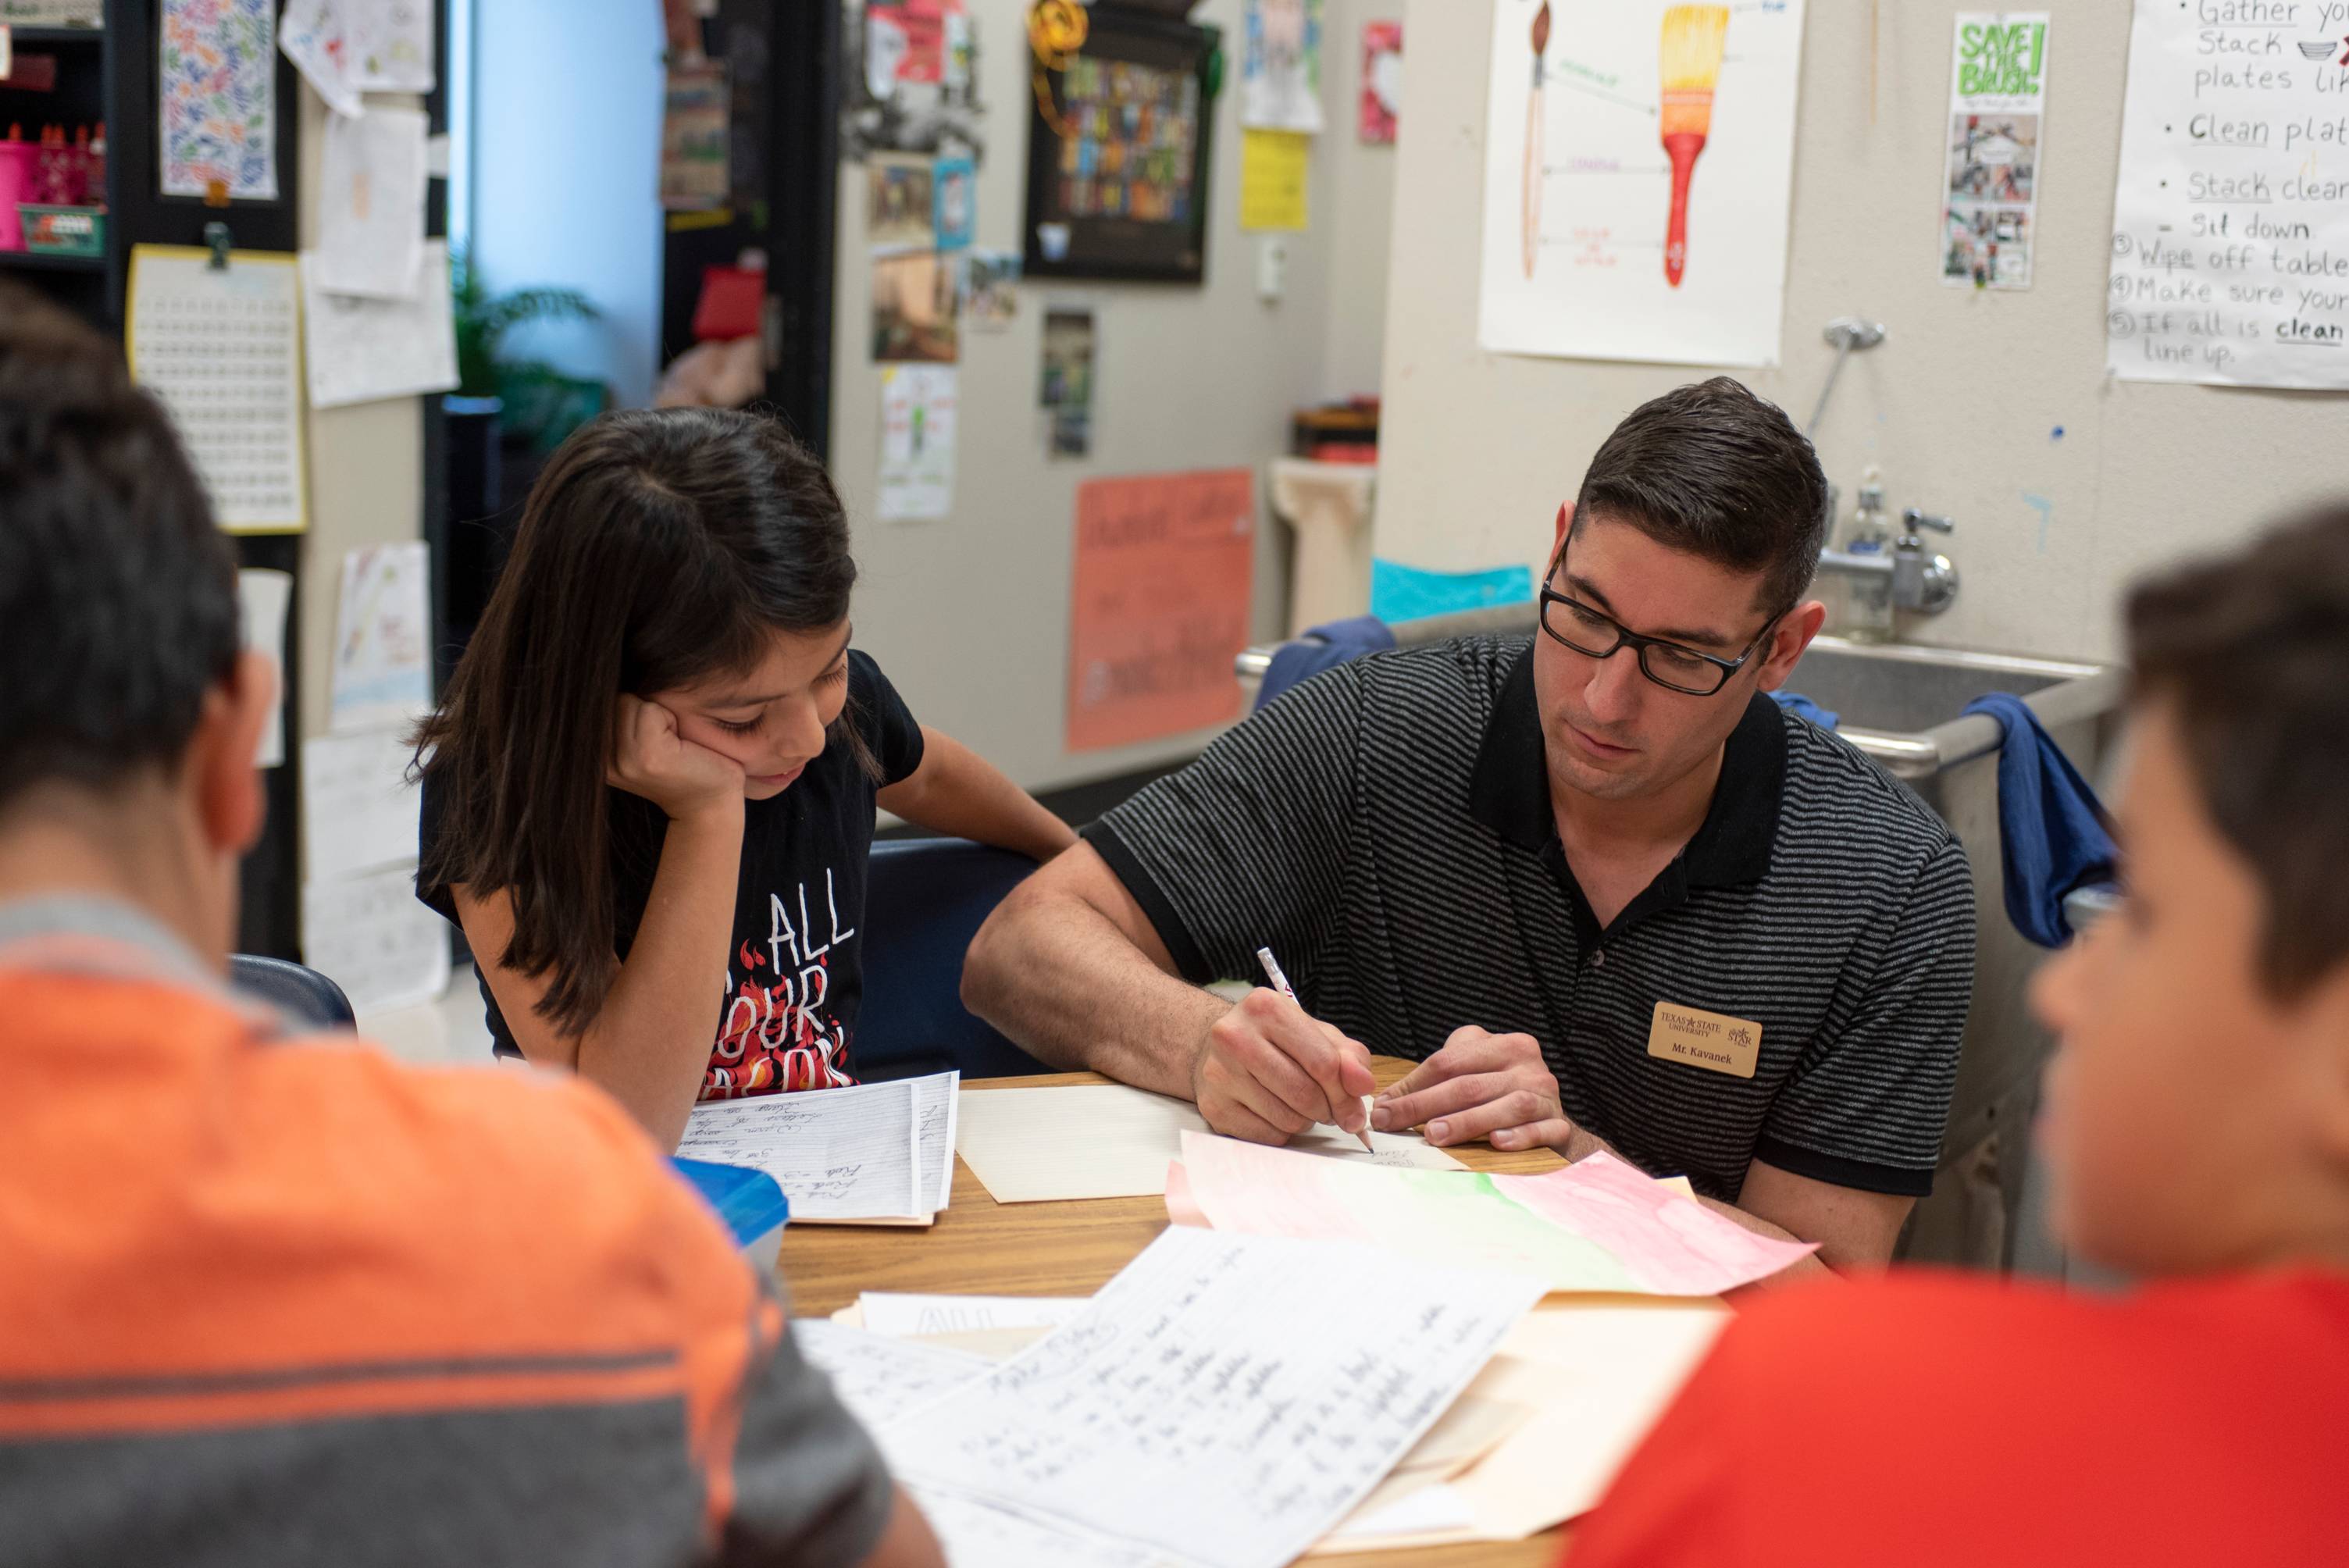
<point>1673,666</point>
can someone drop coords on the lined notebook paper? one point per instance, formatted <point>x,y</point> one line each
<point>877,1153</point>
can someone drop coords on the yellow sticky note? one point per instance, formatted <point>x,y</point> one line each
<point>1273,168</point>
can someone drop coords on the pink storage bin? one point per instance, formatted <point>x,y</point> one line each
<point>17,171</point>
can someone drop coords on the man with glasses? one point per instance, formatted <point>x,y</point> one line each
<point>1596,884</point>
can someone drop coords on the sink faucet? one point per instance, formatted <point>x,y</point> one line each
<point>1910,578</point>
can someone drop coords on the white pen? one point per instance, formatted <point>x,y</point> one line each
<point>1280,984</point>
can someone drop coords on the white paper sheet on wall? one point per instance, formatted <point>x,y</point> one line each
<point>391,45</point>
<point>264,595</point>
<point>371,184</point>
<point>382,674</point>
<point>361,350</point>
<point>222,348</point>
<point>369,935</point>
<point>358,811</point>
<point>1638,166</point>
<point>2230,217</point>
<point>917,442</point>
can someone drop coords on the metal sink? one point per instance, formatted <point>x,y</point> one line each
<point>1902,704</point>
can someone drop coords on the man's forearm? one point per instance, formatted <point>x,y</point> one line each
<point>1065,984</point>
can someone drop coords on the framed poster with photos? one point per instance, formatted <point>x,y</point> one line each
<point>1120,142</point>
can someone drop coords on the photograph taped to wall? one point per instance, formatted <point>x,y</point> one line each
<point>1067,398</point>
<point>900,92</point>
<point>1280,72</point>
<point>955,186</point>
<point>900,202</point>
<point>1639,167</point>
<point>916,308</point>
<point>990,290</point>
<point>695,140</point>
<point>1118,153</point>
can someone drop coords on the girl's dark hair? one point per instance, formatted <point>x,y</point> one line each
<point>656,548</point>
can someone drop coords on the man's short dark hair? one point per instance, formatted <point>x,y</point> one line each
<point>2251,653</point>
<point>1712,470</point>
<point>118,594</point>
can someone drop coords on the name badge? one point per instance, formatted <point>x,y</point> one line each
<point>1713,1041</point>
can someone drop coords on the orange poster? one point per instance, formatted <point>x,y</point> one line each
<point>1166,568</point>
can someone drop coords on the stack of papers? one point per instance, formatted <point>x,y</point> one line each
<point>1110,1141</point>
<point>1598,1225</point>
<point>1283,1380</point>
<point>877,1153</point>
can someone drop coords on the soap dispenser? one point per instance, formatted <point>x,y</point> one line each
<point>1869,604</point>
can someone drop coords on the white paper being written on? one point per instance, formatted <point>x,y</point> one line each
<point>2230,216</point>
<point>1226,1399</point>
<point>369,935</point>
<point>363,350</point>
<point>839,1154</point>
<point>1111,1140</point>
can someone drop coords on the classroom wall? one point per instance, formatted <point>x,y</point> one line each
<point>565,175</point>
<point>1360,213</point>
<point>969,614</point>
<point>1960,406</point>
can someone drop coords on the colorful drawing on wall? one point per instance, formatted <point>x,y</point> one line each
<point>1118,150</point>
<point>1990,200</point>
<point>695,139</point>
<point>218,98</point>
<point>901,206</point>
<point>917,443</point>
<point>1638,162</point>
<point>990,290</point>
<point>1067,395</point>
<point>914,308</point>
<point>1164,571</point>
<point>1382,105</point>
<point>1280,77</point>
<point>955,182</point>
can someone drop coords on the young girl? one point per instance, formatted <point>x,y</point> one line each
<point>649,791</point>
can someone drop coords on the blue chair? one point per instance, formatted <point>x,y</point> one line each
<point>299,992</point>
<point>925,899</point>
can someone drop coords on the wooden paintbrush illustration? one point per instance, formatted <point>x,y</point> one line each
<point>1534,142</point>
<point>1689,63</point>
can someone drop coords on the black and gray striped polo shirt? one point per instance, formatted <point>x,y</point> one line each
<point>1386,826</point>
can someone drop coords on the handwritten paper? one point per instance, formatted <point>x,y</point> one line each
<point>1598,1225</point>
<point>1226,1399</point>
<point>2230,216</point>
<point>363,350</point>
<point>222,348</point>
<point>368,934</point>
<point>877,1376</point>
<point>382,674</point>
<point>371,184</point>
<point>871,1153</point>
<point>1110,1141</point>
<point>898,1315</point>
<point>979,1534</point>
<point>358,811</point>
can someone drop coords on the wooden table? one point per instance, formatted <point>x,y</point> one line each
<point>982,1247</point>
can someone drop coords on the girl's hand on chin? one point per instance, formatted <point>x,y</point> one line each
<point>650,758</point>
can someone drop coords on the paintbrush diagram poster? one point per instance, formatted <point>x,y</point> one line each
<point>1639,158</point>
